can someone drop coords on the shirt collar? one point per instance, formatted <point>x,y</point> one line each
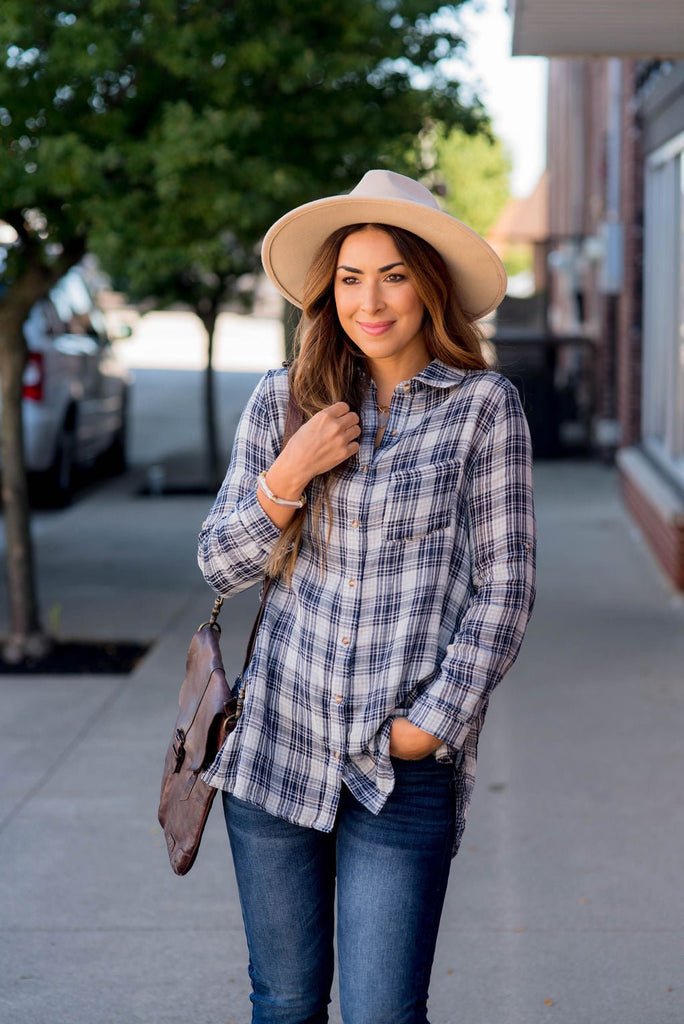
<point>439,375</point>
<point>435,375</point>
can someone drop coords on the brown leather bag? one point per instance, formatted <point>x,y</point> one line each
<point>208,712</point>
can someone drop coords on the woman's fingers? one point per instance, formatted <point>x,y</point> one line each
<point>339,415</point>
<point>328,438</point>
<point>352,429</point>
<point>337,409</point>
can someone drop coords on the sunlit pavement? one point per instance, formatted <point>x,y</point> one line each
<point>167,355</point>
<point>566,902</point>
<point>177,341</point>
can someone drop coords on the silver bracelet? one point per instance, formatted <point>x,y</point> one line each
<point>261,482</point>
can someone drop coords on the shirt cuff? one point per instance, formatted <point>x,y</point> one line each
<point>260,533</point>
<point>438,718</point>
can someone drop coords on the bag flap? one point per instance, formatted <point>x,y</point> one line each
<point>205,697</point>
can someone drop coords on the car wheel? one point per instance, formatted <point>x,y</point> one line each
<point>56,484</point>
<point>115,459</point>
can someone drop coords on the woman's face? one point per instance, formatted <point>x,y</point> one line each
<point>377,303</point>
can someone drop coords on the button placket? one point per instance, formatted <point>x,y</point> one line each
<point>357,501</point>
<point>399,410</point>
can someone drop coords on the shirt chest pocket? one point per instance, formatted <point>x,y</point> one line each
<point>421,500</point>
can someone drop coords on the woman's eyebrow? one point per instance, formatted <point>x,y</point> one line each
<point>381,270</point>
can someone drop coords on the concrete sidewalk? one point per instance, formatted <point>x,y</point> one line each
<point>566,903</point>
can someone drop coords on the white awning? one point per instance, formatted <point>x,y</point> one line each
<point>598,28</point>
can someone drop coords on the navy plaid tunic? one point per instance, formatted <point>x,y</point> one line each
<point>417,606</point>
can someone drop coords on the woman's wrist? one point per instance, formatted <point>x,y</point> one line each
<point>286,482</point>
<point>288,490</point>
<point>262,483</point>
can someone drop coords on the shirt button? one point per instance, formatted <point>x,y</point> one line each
<point>355,523</point>
<point>406,387</point>
<point>352,583</point>
<point>364,467</point>
<point>393,433</point>
<point>338,698</point>
<point>337,755</point>
<point>345,641</point>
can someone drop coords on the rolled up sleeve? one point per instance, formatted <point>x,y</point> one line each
<point>501,532</point>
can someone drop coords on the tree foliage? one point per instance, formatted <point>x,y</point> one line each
<point>142,127</point>
<point>275,103</point>
<point>166,135</point>
<point>475,173</point>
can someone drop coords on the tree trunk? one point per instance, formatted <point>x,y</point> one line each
<point>291,317</point>
<point>209,315</point>
<point>25,636</point>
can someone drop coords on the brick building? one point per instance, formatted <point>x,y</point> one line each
<point>616,233</point>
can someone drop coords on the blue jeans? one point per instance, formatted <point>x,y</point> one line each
<point>392,871</point>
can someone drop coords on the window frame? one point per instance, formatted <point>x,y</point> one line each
<point>663,320</point>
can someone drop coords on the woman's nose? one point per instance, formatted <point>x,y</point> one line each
<point>371,298</point>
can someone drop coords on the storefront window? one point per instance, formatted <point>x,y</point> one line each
<point>680,333</point>
<point>663,344</point>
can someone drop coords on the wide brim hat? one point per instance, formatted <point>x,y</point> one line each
<point>384,197</point>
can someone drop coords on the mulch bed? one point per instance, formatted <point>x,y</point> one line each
<point>74,658</point>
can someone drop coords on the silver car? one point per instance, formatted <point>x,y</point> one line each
<point>75,391</point>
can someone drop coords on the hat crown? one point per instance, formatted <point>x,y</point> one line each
<point>390,185</point>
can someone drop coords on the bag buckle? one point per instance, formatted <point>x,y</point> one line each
<point>240,697</point>
<point>179,749</point>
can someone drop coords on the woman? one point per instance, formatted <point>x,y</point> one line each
<point>398,526</point>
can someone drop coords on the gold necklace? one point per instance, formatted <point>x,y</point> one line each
<point>383,415</point>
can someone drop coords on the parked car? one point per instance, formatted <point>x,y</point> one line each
<point>75,391</point>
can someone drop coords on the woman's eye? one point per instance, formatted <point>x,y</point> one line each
<point>396,277</point>
<point>349,280</point>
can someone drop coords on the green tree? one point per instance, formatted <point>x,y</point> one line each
<point>166,136</point>
<point>474,171</point>
<point>300,101</point>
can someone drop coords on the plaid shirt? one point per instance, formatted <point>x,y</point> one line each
<point>418,607</point>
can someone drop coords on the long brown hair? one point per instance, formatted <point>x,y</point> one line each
<point>329,368</point>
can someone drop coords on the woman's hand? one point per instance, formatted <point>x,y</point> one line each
<point>323,442</point>
<point>409,742</point>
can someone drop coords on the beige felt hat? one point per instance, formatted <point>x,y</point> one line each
<point>383,197</point>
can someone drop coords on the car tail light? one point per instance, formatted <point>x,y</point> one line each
<point>33,377</point>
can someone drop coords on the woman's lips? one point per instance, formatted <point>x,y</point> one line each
<point>376,328</point>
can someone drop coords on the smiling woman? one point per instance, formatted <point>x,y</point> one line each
<point>379,308</point>
<point>397,526</point>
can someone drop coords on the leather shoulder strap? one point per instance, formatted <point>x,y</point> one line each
<point>257,622</point>
<point>293,418</point>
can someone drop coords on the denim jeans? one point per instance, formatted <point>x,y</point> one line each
<point>392,872</point>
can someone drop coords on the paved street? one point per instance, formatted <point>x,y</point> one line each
<point>566,904</point>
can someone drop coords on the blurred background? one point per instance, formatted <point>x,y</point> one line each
<point>145,148</point>
<point>143,161</point>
